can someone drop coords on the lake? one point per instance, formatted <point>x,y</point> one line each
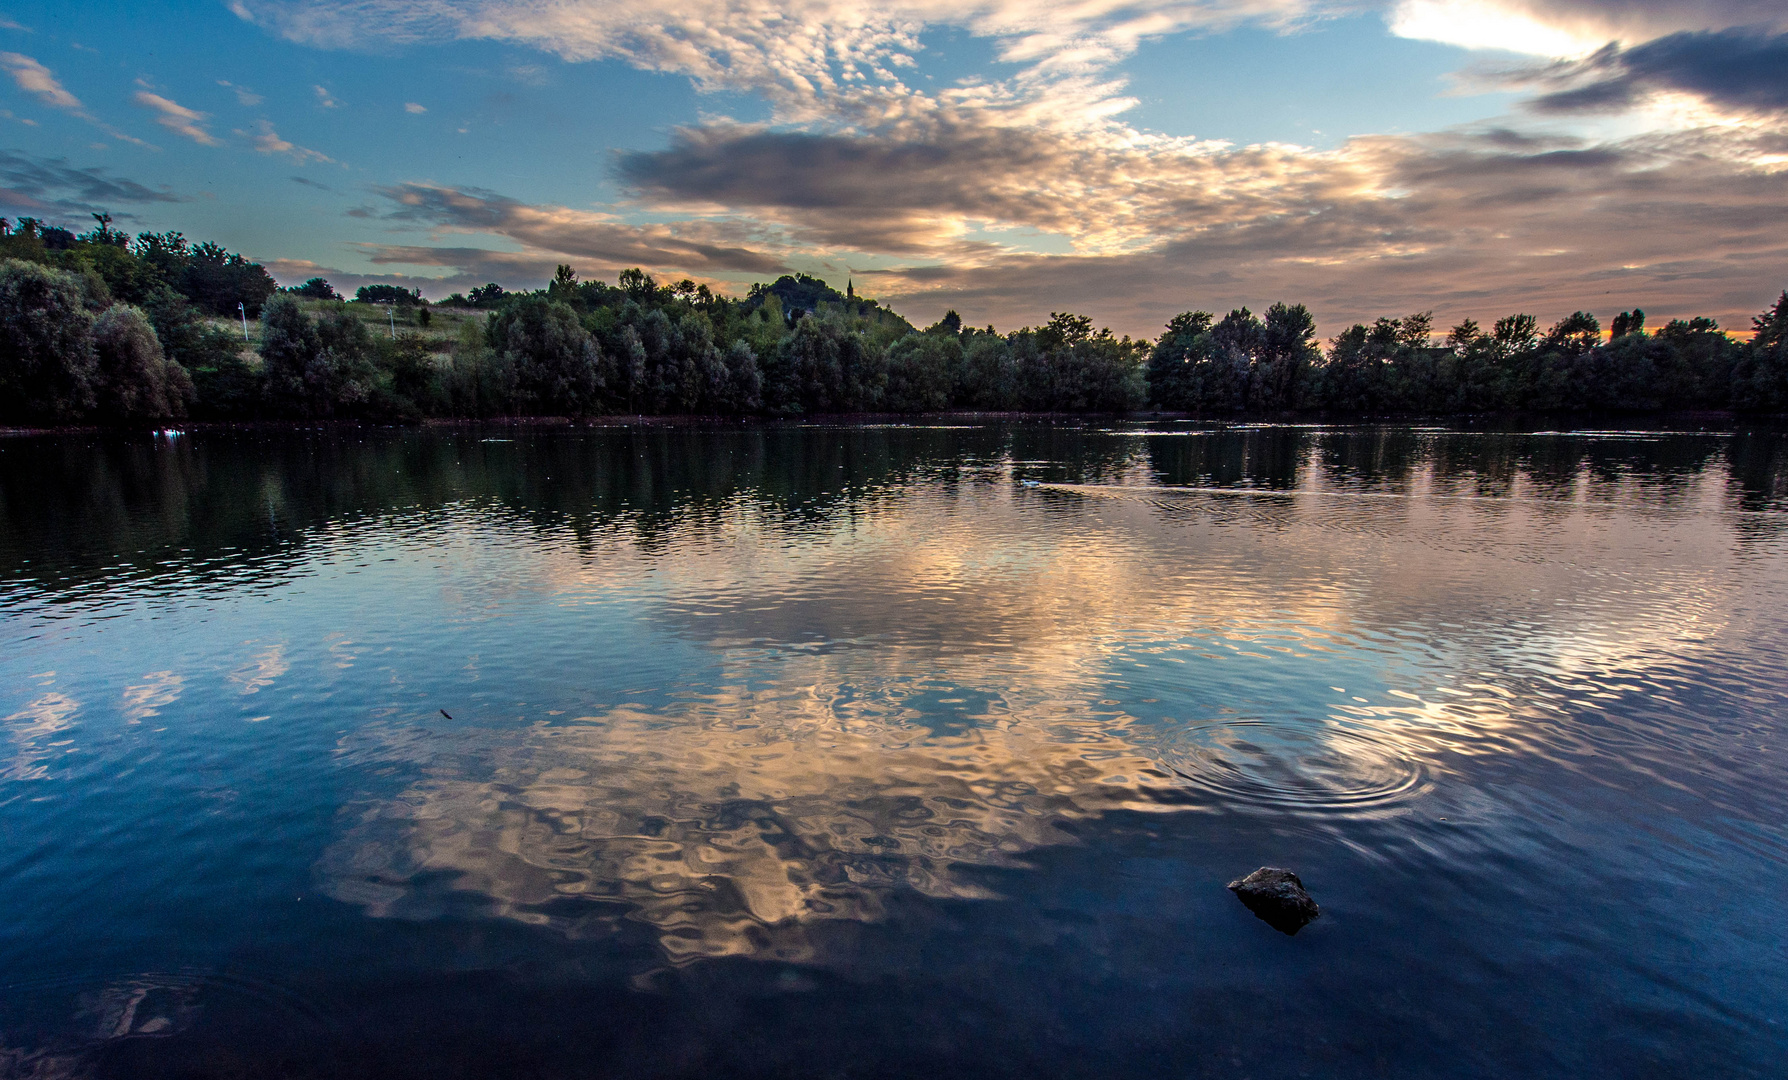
<point>813,750</point>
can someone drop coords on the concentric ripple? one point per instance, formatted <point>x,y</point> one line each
<point>1292,764</point>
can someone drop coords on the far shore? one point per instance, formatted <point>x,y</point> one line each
<point>1682,420</point>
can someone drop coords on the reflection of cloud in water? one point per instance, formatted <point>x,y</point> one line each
<point>145,699</point>
<point>732,829</point>
<point>934,691</point>
<point>261,670</point>
<point>48,714</point>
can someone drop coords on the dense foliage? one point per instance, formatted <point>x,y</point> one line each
<point>97,327</point>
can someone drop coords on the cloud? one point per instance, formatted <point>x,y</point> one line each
<point>1731,70</point>
<point>267,141</point>
<point>949,189</point>
<point>799,52</point>
<point>40,82</point>
<point>1023,190</point>
<point>1481,222</point>
<point>37,80</point>
<point>38,185</point>
<point>553,233</point>
<point>8,24</point>
<point>1462,224</point>
<point>177,118</point>
<point>298,271</point>
<point>1573,28</point>
<point>308,182</point>
<point>324,99</point>
<point>244,96</point>
<point>414,109</point>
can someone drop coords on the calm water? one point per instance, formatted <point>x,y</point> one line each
<point>816,751</point>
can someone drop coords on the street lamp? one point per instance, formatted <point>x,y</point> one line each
<point>243,311</point>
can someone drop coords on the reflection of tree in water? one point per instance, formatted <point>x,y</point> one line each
<point>77,510</point>
<point>1251,457</point>
<point>730,832</point>
<point>1760,468</point>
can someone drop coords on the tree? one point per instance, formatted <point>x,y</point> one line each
<point>478,382</point>
<point>1760,381</point>
<point>316,289</point>
<point>824,367</point>
<point>47,362</point>
<point>1064,329</point>
<point>488,296</point>
<point>134,380</point>
<point>320,367</point>
<point>988,377</point>
<point>415,380</point>
<point>217,281</point>
<point>1627,322</point>
<point>1066,367</point>
<point>921,370</point>
<point>1173,364</point>
<point>1770,329</point>
<point>388,294</point>
<point>558,365</point>
<point>639,286</point>
<point>1287,353</point>
<point>166,253</point>
<point>1515,334</point>
<point>1574,335</point>
<point>951,324</point>
<point>224,384</point>
<point>565,289</point>
<point>744,388</point>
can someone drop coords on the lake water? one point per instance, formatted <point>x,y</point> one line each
<point>878,751</point>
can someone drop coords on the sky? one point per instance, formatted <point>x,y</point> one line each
<point>1128,159</point>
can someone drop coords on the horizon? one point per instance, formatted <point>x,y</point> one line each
<point>1124,160</point>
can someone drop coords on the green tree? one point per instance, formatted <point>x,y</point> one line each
<point>315,368</point>
<point>1287,353</point>
<point>217,280</point>
<point>47,362</point>
<point>1173,362</point>
<point>133,380</point>
<point>224,383</point>
<point>388,294</point>
<point>1760,381</point>
<point>921,372</point>
<point>557,364</point>
<point>315,289</point>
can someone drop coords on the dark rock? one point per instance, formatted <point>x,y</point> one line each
<point>1276,897</point>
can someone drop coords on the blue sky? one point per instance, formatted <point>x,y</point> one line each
<point>1127,158</point>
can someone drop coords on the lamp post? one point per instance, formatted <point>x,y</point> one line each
<point>391,314</point>
<point>243,311</point>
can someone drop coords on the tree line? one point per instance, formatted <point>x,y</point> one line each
<point>101,327</point>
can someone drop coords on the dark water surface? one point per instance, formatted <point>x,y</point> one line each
<point>819,751</point>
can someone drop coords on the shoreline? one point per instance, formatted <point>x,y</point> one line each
<point>1679,420</point>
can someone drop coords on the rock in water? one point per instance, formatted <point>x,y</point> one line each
<point>1277,897</point>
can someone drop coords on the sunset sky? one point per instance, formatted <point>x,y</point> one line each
<point>1125,158</point>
